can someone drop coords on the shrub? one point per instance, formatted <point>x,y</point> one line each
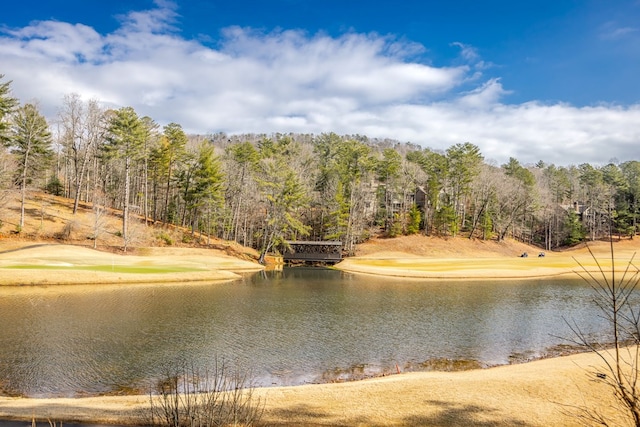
<point>54,186</point>
<point>165,238</point>
<point>69,228</point>
<point>221,396</point>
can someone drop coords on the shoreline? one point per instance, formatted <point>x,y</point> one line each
<point>536,393</point>
<point>492,261</point>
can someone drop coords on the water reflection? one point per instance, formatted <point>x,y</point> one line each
<point>291,327</point>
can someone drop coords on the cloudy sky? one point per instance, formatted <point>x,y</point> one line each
<point>551,80</point>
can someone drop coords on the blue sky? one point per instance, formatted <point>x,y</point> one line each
<point>541,80</point>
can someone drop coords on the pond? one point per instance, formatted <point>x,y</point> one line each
<point>303,325</point>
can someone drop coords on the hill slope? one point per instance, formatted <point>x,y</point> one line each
<point>435,247</point>
<point>50,219</point>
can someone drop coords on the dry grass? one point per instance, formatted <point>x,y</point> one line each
<point>22,263</point>
<point>55,240</point>
<point>49,219</point>
<point>462,258</point>
<point>541,393</point>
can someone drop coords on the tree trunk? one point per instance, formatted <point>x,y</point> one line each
<point>125,207</point>
<point>146,185</point>
<point>78,184</point>
<point>23,189</point>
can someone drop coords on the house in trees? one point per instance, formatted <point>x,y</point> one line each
<point>578,208</point>
<point>420,198</point>
<point>594,219</point>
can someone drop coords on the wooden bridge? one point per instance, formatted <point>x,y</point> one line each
<point>329,251</point>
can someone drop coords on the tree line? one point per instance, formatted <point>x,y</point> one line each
<point>264,190</point>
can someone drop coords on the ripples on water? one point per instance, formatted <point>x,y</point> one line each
<point>303,325</point>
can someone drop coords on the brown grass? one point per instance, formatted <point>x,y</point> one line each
<point>49,219</point>
<point>55,239</point>
<point>541,393</point>
<point>463,258</point>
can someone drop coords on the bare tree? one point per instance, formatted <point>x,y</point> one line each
<point>99,217</point>
<point>616,300</point>
<point>83,128</point>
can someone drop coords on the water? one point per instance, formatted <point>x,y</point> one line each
<point>300,326</point>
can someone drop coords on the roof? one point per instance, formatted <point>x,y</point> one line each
<point>314,242</point>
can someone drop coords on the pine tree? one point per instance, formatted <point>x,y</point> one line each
<point>125,138</point>
<point>30,142</point>
<point>284,196</point>
<point>415,219</point>
<point>576,233</point>
<point>172,152</point>
<point>205,190</point>
<point>7,106</point>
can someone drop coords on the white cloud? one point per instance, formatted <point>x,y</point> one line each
<point>52,40</point>
<point>489,93</point>
<point>614,31</point>
<point>291,81</point>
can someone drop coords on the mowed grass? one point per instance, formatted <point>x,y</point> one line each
<point>468,264</point>
<point>110,268</point>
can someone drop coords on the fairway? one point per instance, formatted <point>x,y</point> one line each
<point>110,268</point>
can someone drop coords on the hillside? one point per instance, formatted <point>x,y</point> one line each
<point>434,247</point>
<point>462,247</point>
<point>462,258</point>
<point>50,219</point>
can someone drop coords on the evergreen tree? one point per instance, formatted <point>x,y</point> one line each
<point>284,196</point>
<point>205,193</point>
<point>415,219</point>
<point>30,142</point>
<point>7,106</point>
<point>463,165</point>
<point>575,230</point>
<point>172,153</point>
<point>523,200</point>
<point>631,172</point>
<point>435,167</point>
<point>354,164</point>
<point>124,138</point>
<point>388,172</point>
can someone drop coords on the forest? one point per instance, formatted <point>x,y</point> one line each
<point>265,190</point>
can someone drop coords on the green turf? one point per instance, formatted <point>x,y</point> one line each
<point>109,268</point>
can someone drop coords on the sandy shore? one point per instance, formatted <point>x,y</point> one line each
<point>540,393</point>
